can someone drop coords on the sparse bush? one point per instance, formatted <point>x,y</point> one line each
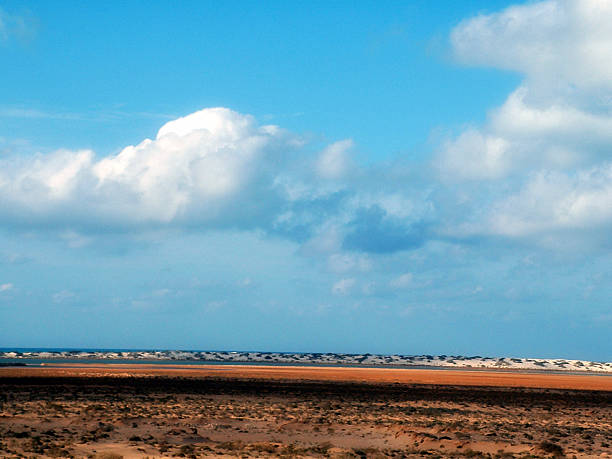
<point>187,450</point>
<point>264,447</point>
<point>551,448</point>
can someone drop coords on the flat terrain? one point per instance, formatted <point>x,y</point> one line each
<point>252,411</point>
<point>475,377</point>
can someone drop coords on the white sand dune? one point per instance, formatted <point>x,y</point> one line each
<point>327,358</point>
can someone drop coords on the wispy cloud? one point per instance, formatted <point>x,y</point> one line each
<point>101,115</point>
<point>62,296</point>
<point>22,26</point>
<point>32,113</point>
<point>403,281</point>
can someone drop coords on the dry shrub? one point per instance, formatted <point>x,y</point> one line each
<point>551,448</point>
<point>264,447</point>
<point>231,445</point>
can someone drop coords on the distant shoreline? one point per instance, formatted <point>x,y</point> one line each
<point>166,357</point>
<point>178,364</point>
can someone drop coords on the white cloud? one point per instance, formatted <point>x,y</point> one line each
<point>325,240</point>
<point>195,170</point>
<point>5,287</point>
<point>561,115</point>
<point>161,292</point>
<point>343,286</point>
<point>565,39</point>
<point>474,156</point>
<point>552,202</point>
<point>216,169</point>
<point>62,296</point>
<point>540,166</point>
<point>524,136</point>
<point>403,281</point>
<point>18,26</point>
<point>75,240</point>
<point>195,165</point>
<point>33,113</point>
<point>334,162</point>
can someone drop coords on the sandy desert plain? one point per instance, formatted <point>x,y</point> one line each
<point>105,410</point>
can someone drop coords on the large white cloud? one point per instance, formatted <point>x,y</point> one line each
<point>212,169</point>
<point>547,150</point>
<point>561,115</point>
<point>553,201</point>
<point>196,169</point>
<point>555,42</point>
<point>538,168</point>
<point>334,162</point>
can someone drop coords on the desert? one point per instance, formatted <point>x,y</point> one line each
<point>305,229</point>
<point>119,410</point>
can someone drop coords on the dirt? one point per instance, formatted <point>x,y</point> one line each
<point>475,377</point>
<point>108,412</point>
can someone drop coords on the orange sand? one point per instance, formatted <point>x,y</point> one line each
<point>367,375</point>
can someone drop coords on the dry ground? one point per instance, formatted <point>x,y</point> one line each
<point>474,377</point>
<point>79,413</point>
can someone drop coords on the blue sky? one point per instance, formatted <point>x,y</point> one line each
<point>396,177</point>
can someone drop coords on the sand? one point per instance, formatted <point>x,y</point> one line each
<point>485,378</point>
<point>111,411</point>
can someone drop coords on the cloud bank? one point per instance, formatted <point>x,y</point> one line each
<point>214,168</point>
<point>547,150</point>
<point>539,171</point>
<point>196,170</point>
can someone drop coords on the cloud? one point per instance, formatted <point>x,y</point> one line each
<point>560,117</point>
<point>62,296</point>
<point>111,114</point>
<point>75,240</point>
<point>334,162</point>
<point>402,281</point>
<point>199,169</point>
<point>522,136</point>
<point>539,169</point>
<point>551,202</point>
<point>33,113</point>
<point>23,27</point>
<point>213,169</point>
<point>5,287</point>
<point>474,156</point>
<point>569,40</point>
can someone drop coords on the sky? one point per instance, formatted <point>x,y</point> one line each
<point>383,177</point>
